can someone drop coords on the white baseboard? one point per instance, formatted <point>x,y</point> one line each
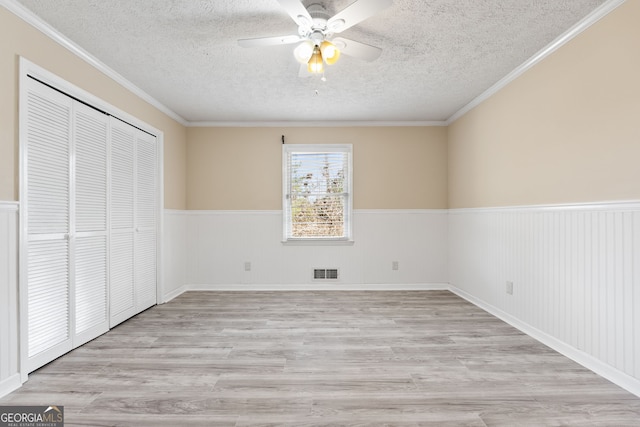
<point>620,379</point>
<point>10,384</point>
<point>173,294</point>
<point>320,287</point>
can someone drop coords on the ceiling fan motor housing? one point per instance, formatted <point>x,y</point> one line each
<point>318,12</point>
<point>317,30</point>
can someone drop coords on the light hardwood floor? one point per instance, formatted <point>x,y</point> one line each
<point>406,358</point>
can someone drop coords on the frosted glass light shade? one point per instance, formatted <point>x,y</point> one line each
<point>303,51</point>
<point>330,53</point>
<point>315,64</point>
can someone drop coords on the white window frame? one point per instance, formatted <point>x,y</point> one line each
<point>287,149</point>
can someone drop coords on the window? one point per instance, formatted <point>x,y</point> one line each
<point>317,192</point>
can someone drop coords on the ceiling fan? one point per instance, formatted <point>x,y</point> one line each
<point>316,29</point>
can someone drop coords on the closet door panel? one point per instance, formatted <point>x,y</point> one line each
<point>90,222</point>
<point>122,175</point>
<point>48,301</point>
<point>90,146</point>
<point>91,317</point>
<point>47,196</point>
<point>121,296</point>
<point>146,208</point>
<point>48,136</point>
<point>146,182</point>
<point>122,278</point>
<point>145,270</point>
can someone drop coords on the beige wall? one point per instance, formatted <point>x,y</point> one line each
<point>241,168</point>
<point>20,39</point>
<point>566,131</point>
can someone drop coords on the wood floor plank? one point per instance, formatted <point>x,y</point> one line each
<point>322,358</point>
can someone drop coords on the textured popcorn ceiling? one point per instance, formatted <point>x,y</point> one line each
<point>438,55</point>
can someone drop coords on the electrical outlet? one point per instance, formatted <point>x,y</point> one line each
<point>395,265</point>
<point>510,288</point>
<point>247,266</point>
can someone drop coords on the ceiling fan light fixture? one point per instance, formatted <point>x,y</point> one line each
<point>316,64</point>
<point>303,52</point>
<point>330,53</point>
<point>316,27</point>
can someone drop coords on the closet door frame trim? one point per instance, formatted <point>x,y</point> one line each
<point>30,70</point>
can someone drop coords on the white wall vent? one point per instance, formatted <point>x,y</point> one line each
<point>325,274</point>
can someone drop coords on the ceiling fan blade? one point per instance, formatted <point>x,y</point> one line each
<point>355,13</point>
<point>269,41</point>
<point>297,12</point>
<point>356,49</point>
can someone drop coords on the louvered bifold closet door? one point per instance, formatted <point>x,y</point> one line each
<point>46,158</point>
<point>89,242</point>
<point>121,272</point>
<point>146,208</point>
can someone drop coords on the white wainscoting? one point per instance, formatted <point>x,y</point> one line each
<point>174,254</point>
<point>9,356</point>
<point>219,243</point>
<point>575,272</point>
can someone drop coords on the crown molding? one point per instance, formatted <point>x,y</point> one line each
<point>318,123</point>
<point>36,22</point>
<point>573,32</point>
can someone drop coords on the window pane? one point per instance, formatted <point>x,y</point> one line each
<point>313,216</point>
<point>317,191</point>
<point>318,173</point>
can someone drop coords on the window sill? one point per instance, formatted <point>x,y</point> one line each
<point>318,242</point>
